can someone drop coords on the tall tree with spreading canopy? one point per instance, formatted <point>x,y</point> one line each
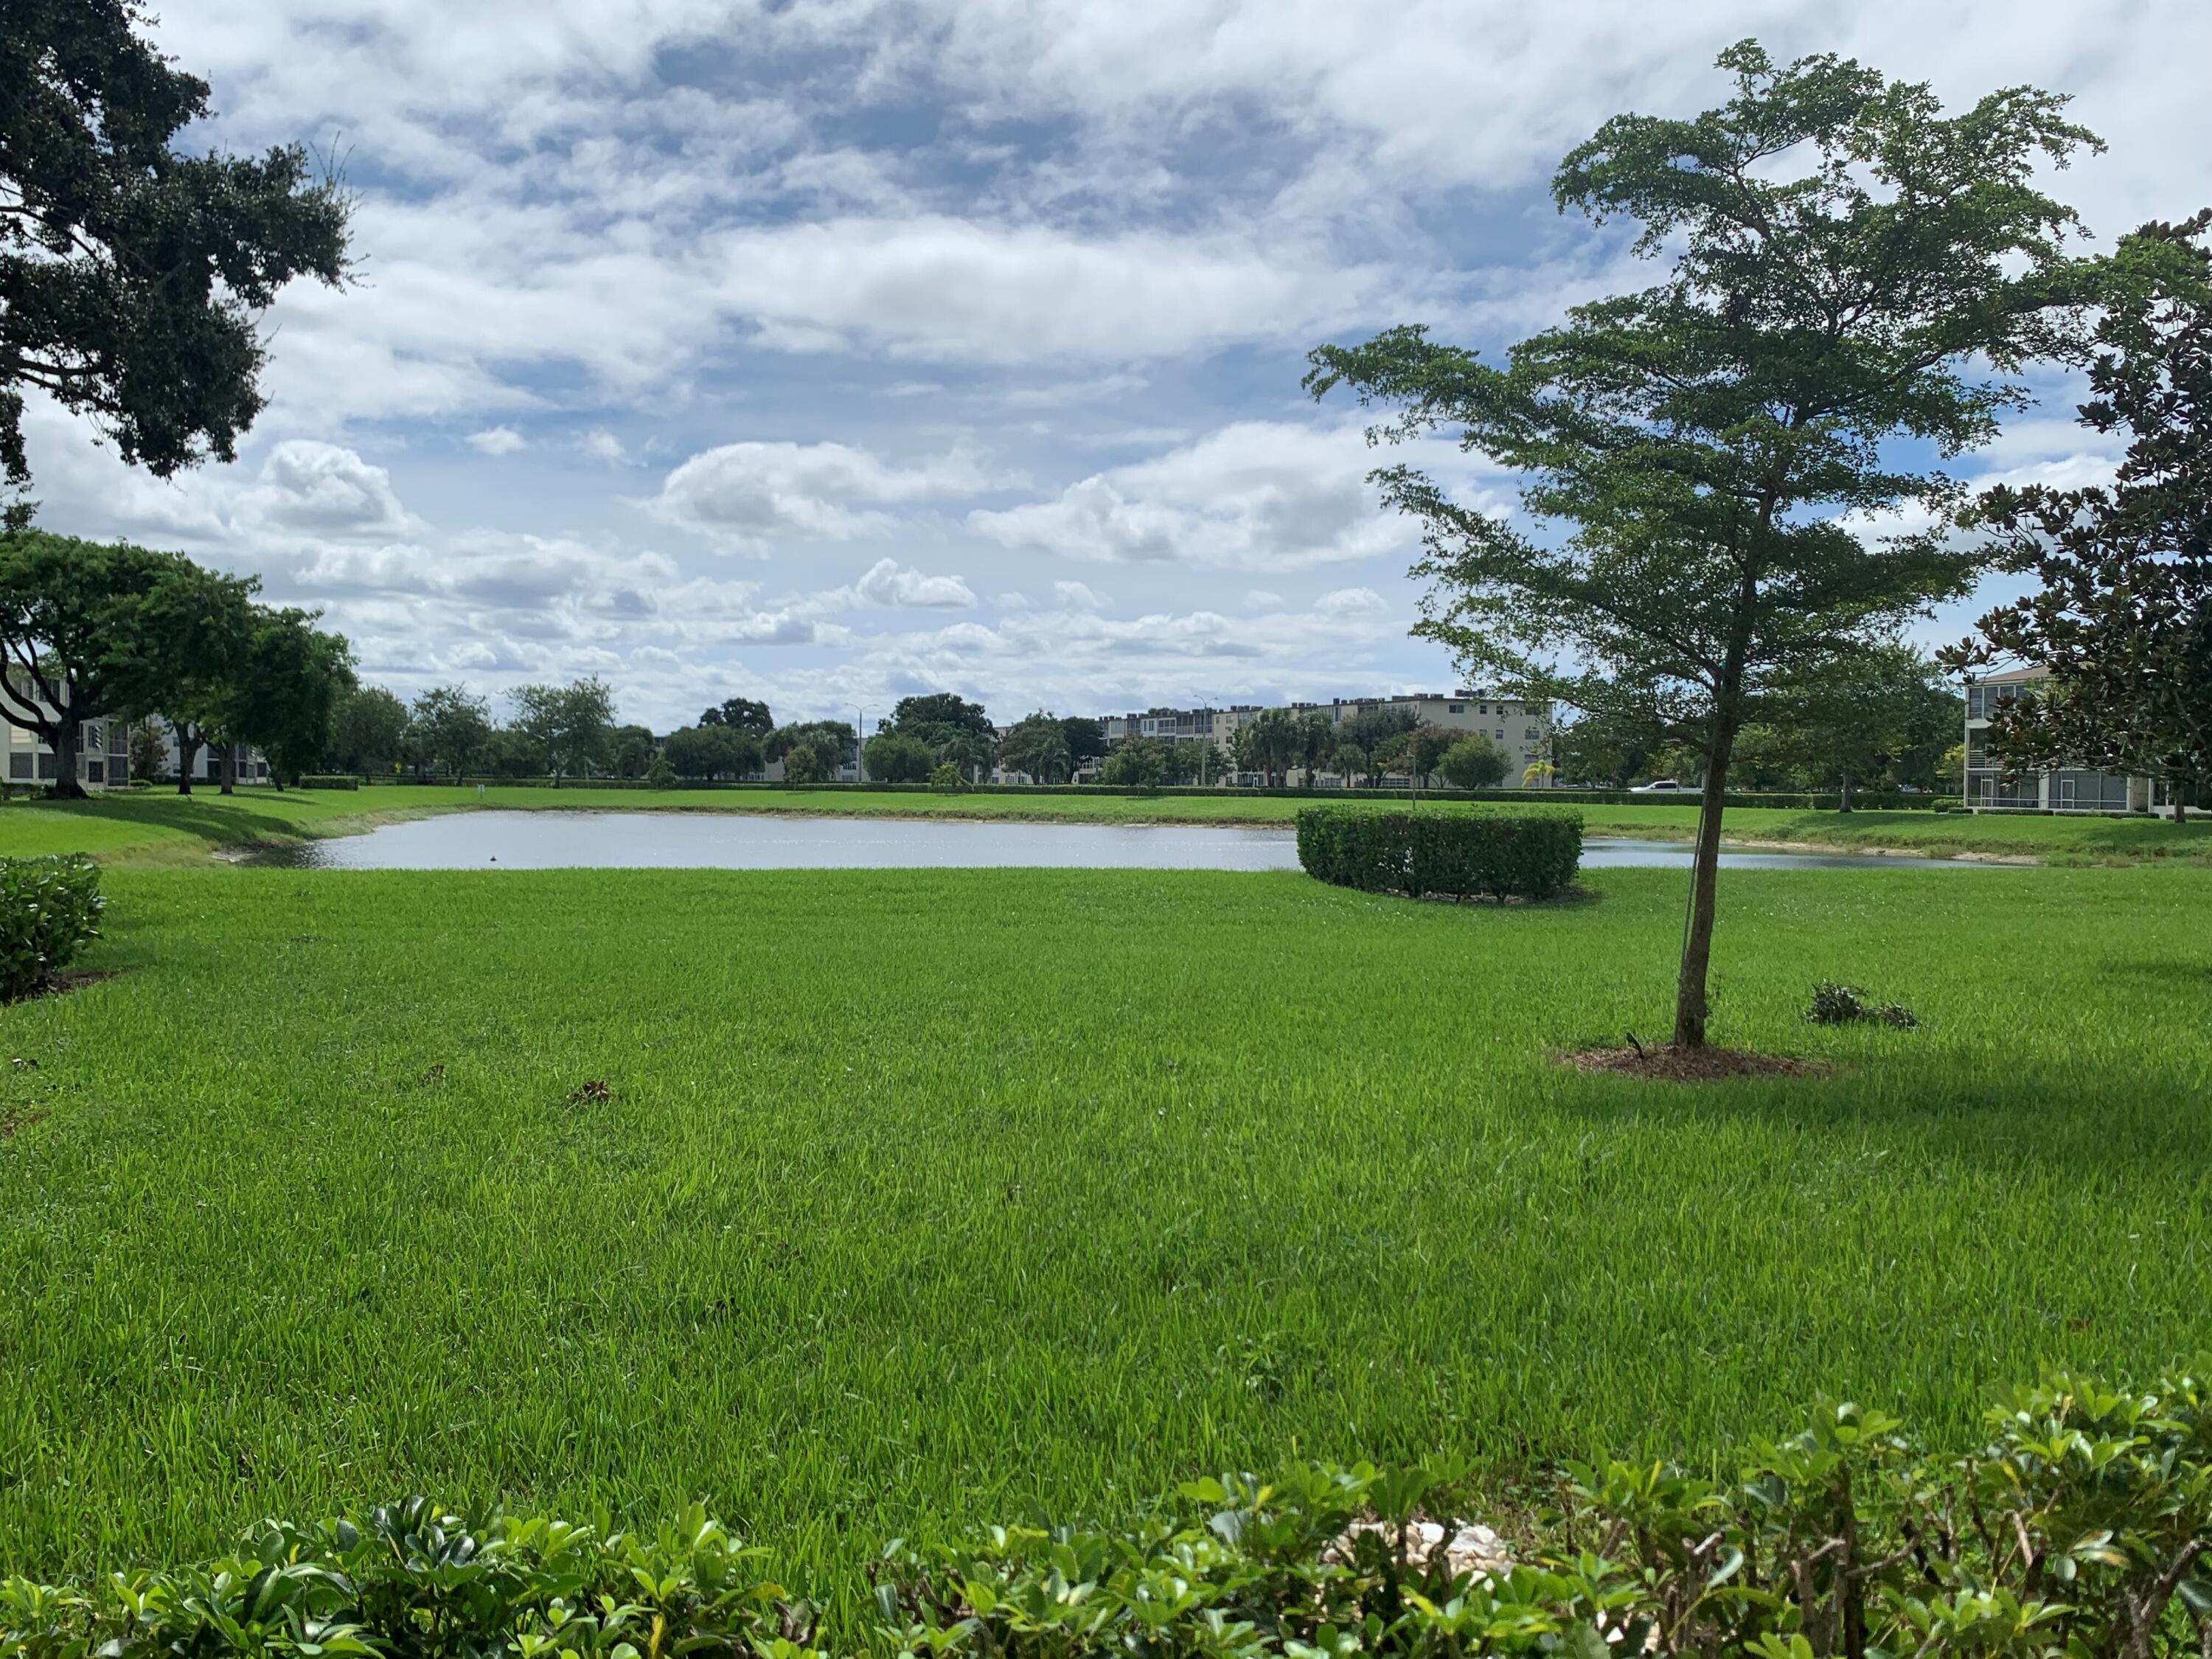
<point>742,714</point>
<point>572,726</point>
<point>2123,617</point>
<point>368,732</point>
<point>132,276</point>
<point>284,698</point>
<point>83,634</point>
<point>1878,716</point>
<point>450,727</point>
<point>1037,744</point>
<point>1849,267</point>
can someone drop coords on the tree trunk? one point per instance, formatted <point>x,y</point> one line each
<point>188,751</point>
<point>66,739</point>
<point>229,769</point>
<point>1690,1005</point>
<point>1847,806</point>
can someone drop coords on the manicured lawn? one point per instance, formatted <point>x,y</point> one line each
<point>163,827</point>
<point>921,1195</point>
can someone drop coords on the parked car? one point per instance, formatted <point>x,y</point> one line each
<point>1659,786</point>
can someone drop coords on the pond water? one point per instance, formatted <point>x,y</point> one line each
<point>730,840</point>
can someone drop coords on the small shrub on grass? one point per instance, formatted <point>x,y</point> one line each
<point>329,780</point>
<point>2080,1531</point>
<point>1450,854</point>
<point>49,910</point>
<point>946,779</point>
<point>1846,1004</point>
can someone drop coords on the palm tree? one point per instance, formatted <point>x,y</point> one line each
<point>969,749</point>
<point>1316,735</point>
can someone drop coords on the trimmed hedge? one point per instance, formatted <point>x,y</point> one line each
<point>2080,1531</point>
<point>50,909</point>
<point>1451,854</point>
<point>329,780</point>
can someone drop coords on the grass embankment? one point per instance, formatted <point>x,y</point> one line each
<point>162,827</point>
<point>922,1195</point>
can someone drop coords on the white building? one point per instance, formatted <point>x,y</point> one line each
<point>103,758</point>
<point>1990,787</point>
<point>1522,729</point>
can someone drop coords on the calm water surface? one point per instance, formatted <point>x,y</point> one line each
<point>720,840</point>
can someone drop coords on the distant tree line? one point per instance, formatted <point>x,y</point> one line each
<point>1883,719</point>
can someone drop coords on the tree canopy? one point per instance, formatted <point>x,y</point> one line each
<point>572,726</point>
<point>899,756</point>
<point>742,714</point>
<point>1848,266</point>
<point>85,629</point>
<point>1037,744</point>
<point>132,275</point>
<point>2123,617</point>
<point>450,728</point>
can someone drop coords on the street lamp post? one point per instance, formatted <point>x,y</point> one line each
<point>860,744</point>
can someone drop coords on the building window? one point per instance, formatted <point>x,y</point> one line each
<point>19,766</point>
<point>96,771</point>
<point>1459,709</point>
<point>1531,734</point>
<point>2089,792</point>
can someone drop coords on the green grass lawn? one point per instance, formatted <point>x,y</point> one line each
<point>923,1195</point>
<point>163,827</point>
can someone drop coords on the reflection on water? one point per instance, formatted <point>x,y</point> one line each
<point>730,840</point>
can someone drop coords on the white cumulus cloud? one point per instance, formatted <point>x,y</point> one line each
<point>750,494</point>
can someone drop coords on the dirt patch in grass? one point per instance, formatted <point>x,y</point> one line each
<point>1665,1063</point>
<point>61,984</point>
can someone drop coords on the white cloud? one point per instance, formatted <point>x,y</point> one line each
<point>497,440</point>
<point>1260,598</point>
<point>1076,596</point>
<point>1256,495</point>
<point>602,445</point>
<point>325,488</point>
<point>1349,601</point>
<point>746,495</point>
<point>888,583</point>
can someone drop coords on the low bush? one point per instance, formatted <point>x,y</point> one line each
<point>1846,1004</point>
<point>946,779</point>
<point>329,780</point>
<point>49,909</point>
<point>2080,1531</point>
<point>1445,853</point>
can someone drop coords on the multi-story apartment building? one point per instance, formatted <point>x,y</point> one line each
<point>2070,789</point>
<point>103,758</point>
<point>1522,729</point>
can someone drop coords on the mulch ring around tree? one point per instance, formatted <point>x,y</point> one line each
<point>1662,1062</point>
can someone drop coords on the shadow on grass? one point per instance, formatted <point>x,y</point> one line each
<point>2142,1122</point>
<point>235,822</point>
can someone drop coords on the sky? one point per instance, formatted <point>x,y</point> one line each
<point>829,351</point>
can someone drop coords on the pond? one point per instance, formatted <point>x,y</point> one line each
<point>731,840</point>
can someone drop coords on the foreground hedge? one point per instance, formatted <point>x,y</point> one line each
<point>1446,854</point>
<point>49,910</point>
<point>2079,1533</point>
